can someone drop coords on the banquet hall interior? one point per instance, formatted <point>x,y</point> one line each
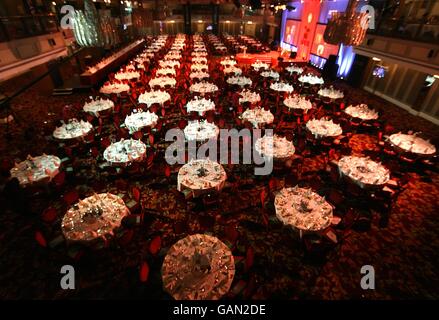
<point>219,149</point>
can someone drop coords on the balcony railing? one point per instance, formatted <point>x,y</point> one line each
<point>410,30</point>
<point>19,27</point>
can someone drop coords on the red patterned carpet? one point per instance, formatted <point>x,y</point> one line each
<point>271,261</point>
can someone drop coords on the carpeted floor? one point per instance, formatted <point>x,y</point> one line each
<point>271,260</point>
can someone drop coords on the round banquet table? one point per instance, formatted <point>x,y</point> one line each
<point>124,152</point>
<point>128,75</point>
<point>362,112</point>
<point>98,105</point>
<point>198,267</point>
<point>363,171</point>
<point>36,170</point>
<point>162,82</point>
<point>292,69</point>
<point>276,147</point>
<point>322,128</point>
<point>258,117</point>
<point>270,74</point>
<point>165,72</point>
<point>200,75</point>
<point>200,131</point>
<point>303,209</point>
<point>311,79</point>
<point>297,102</point>
<point>95,217</point>
<point>281,87</point>
<point>232,70</point>
<point>72,130</point>
<point>151,97</point>
<point>249,96</point>
<point>240,81</point>
<point>410,143</point>
<point>169,63</point>
<point>200,105</point>
<point>115,88</point>
<point>201,176</point>
<point>258,65</point>
<point>228,62</point>
<point>138,120</point>
<point>330,93</point>
<point>203,87</point>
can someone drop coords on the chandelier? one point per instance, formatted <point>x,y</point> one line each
<point>348,27</point>
<point>91,30</point>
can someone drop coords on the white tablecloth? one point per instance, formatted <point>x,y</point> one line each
<point>125,152</point>
<point>240,81</point>
<point>151,97</point>
<point>270,74</point>
<point>275,147</point>
<point>323,128</point>
<point>311,79</point>
<point>72,130</point>
<point>292,69</point>
<point>412,143</point>
<point>200,130</point>
<point>201,176</point>
<point>303,209</point>
<point>165,71</point>
<point>203,87</point>
<point>297,102</point>
<point>200,105</point>
<point>127,75</point>
<point>282,87</point>
<point>94,217</point>
<point>258,116</point>
<point>110,88</point>
<point>260,65</point>
<point>362,112</point>
<point>138,120</point>
<point>98,105</point>
<point>36,170</point>
<point>233,69</point>
<point>331,93</point>
<point>162,82</point>
<point>249,96</point>
<point>363,171</point>
<point>198,267</point>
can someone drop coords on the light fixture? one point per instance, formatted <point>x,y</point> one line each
<point>172,21</point>
<point>347,27</point>
<point>54,3</point>
<point>436,76</point>
<point>227,21</point>
<point>376,59</point>
<point>200,21</point>
<point>249,22</point>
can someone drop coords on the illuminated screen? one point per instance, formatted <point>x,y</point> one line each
<point>320,47</point>
<point>291,32</point>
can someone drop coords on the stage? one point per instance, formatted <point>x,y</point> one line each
<point>267,57</point>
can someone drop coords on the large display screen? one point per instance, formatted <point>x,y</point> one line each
<point>320,47</point>
<point>291,34</point>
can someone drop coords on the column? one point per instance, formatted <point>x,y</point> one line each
<point>215,17</point>
<point>187,18</point>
